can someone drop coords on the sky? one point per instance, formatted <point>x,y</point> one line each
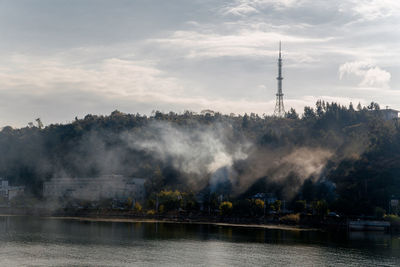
<point>61,59</point>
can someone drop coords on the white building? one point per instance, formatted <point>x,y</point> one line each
<point>9,192</point>
<point>389,114</point>
<point>109,186</point>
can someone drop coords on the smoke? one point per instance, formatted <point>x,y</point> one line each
<point>200,154</point>
<point>205,155</point>
<point>209,155</point>
<point>287,166</point>
<point>198,151</point>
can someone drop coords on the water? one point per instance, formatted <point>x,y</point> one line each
<point>33,241</point>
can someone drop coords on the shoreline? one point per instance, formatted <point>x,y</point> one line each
<point>171,221</point>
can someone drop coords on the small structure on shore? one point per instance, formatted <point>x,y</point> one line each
<point>8,192</point>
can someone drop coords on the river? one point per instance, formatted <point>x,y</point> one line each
<point>35,241</point>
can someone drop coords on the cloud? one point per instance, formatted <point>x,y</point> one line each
<point>372,75</point>
<point>367,10</point>
<point>244,43</point>
<point>113,76</point>
<point>212,55</point>
<point>240,9</point>
<point>246,7</point>
<point>69,88</point>
<point>370,10</point>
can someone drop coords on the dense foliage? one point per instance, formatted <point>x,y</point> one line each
<point>360,170</point>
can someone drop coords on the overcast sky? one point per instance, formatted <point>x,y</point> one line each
<point>65,58</point>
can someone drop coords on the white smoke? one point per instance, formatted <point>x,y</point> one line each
<point>198,149</point>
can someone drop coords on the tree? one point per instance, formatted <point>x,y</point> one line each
<point>321,208</point>
<point>351,107</point>
<point>225,208</point>
<point>292,114</point>
<point>309,113</point>
<point>276,206</point>
<point>137,207</point>
<point>379,213</point>
<point>320,109</point>
<point>170,200</point>
<point>373,106</point>
<point>257,207</point>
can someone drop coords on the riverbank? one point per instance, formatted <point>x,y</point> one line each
<point>292,222</point>
<point>143,220</point>
<point>170,221</point>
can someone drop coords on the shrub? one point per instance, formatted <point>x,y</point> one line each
<point>171,200</point>
<point>379,212</point>
<point>161,209</point>
<point>258,207</point>
<point>151,212</point>
<point>276,206</point>
<point>225,208</point>
<point>393,219</point>
<point>137,207</point>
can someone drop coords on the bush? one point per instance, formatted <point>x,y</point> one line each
<point>379,212</point>
<point>276,206</point>
<point>321,208</point>
<point>258,207</point>
<point>225,208</point>
<point>137,207</point>
<point>151,212</point>
<point>161,209</point>
<point>393,219</point>
<point>171,200</point>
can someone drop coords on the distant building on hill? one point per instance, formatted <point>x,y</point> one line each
<point>95,188</point>
<point>389,114</point>
<point>8,192</point>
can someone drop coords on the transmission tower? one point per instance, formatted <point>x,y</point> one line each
<point>279,107</point>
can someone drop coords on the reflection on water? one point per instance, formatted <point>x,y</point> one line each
<point>32,241</point>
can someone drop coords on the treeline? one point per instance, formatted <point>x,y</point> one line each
<point>360,175</point>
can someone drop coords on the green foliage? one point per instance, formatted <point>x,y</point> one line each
<point>151,212</point>
<point>379,212</point>
<point>258,207</point>
<point>169,200</point>
<point>129,202</point>
<point>276,206</point>
<point>393,219</point>
<point>225,208</point>
<point>189,202</point>
<point>137,207</point>
<point>161,208</point>
<point>364,167</point>
<point>292,114</point>
<point>320,207</point>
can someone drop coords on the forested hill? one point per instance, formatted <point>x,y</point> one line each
<point>346,156</point>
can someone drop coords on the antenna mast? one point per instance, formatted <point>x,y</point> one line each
<point>279,107</point>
